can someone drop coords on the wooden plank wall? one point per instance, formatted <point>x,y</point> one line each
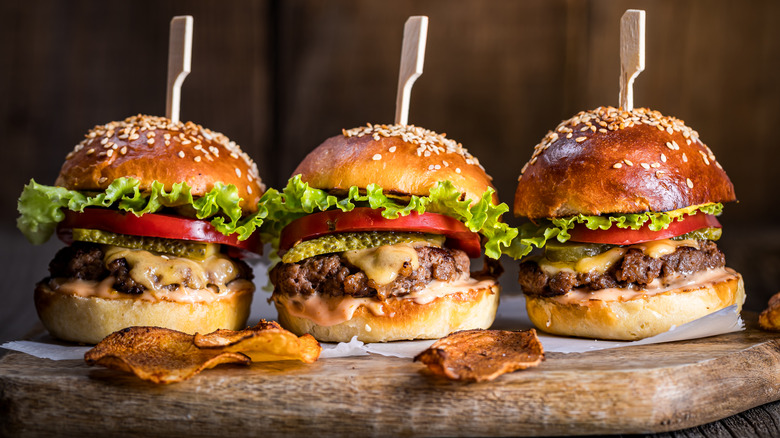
<point>281,76</point>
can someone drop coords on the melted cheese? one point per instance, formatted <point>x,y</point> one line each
<point>694,281</point>
<point>382,263</point>
<point>327,311</point>
<point>155,272</point>
<point>602,262</point>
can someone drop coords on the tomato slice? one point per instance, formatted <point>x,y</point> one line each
<point>627,236</point>
<point>369,219</point>
<point>155,225</point>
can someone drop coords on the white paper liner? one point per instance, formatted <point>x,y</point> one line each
<point>511,315</point>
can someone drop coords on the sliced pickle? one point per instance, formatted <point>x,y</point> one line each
<point>573,251</point>
<point>703,234</point>
<point>174,247</point>
<point>351,241</point>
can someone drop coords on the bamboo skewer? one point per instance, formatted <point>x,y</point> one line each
<point>179,62</point>
<point>412,59</point>
<point>632,54</point>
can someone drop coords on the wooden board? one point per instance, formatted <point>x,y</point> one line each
<point>640,389</point>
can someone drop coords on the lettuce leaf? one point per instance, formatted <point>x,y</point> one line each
<point>533,235</point>
<point>41,207</point>
<point>297,199</point>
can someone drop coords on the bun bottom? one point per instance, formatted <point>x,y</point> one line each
<point>90,319</point>
<point>403,319</point>
<point>637,318</point>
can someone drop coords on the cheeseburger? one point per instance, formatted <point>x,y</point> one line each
<point>156,215</point>
<point>376,231</point>
<point>625,205</point>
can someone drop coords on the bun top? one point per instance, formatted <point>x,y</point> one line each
<point>154,148</point>
<point>402,159</point>
<point>612,161</point>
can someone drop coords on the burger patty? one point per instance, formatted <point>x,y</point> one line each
<point>635,268</point>
<point>84,261</point>
<point>333,275</point>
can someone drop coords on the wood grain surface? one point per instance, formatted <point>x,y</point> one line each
<point>643,389</point>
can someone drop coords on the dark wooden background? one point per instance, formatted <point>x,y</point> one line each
<point>281,76</point>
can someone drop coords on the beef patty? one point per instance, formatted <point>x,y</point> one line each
<point>84,261</point>
<point>635,268</point>
<point>333,275</point>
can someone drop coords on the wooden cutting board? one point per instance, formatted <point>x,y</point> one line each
<point>640,389</point>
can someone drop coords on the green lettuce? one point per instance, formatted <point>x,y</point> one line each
<point>41,207</point>
<point>536,235</point>
<point>297,199</point>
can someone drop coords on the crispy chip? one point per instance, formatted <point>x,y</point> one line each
<point>267,341</point>
<point>482,355</point>
<point>157,354</point>
<point>769,319</point>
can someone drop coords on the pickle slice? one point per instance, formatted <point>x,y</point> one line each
<point>174,247</point>
<point>703,234</point>
<point>351,241</point>
<point>573,251</point>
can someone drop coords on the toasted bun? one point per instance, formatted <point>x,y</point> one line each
<point>611,161</point>
<point>156,149</point>
<point>403,160</point>
<point>403,319</point>
<point>90,319</point>
<point>637,318</point>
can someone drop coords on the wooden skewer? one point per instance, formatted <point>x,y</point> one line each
<point>412,59</point>
<point>179,61</point>
<point>632,54</point>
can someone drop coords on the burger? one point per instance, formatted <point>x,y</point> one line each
<point>624,205</point>
<point>156,215</point>
<point>376,231</point>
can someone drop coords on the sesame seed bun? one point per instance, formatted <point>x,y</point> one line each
<point>403,319</point>
<point>637,318</point>
<point>155,149</point>
<point>403,160</point>
<point>611,161</point>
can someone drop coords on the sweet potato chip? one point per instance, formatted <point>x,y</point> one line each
<point>482,355</point>
<point>267,341</point>
<point>158,354</point>
<point>769,319</point>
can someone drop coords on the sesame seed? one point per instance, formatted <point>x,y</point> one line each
<point>457,170</point>
<point>104,141</point>
<point>150,141</point>
<point>376,157</point>
<point>123,150</point>
<point>197,159</point>
<point>186,142</point>
<point>580,139</point>
<point>238,172</point>
<point>685,158</point>
<point>688,141</point>
<point>134,137</point>
<point>430,167</point>
<point>628,162</point>
<point>102,179</point>
<point>663,158</point>
<point>669,145</point>
<point>676,146</point>
<point>249,189</point>
<point>655,165</point>
<point>617,165</point>
<point>658,173</point>
<point>90,151</point>
<point>645,165</point>
<point>602,130</point>
<point>232,155</point>
<point>181,154</point>
<point>569,135</point>
<point>392,149</point>
<point>437,167</point>
<point>427,153</point>
<point>689,182</point>
<point>109,153</point>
